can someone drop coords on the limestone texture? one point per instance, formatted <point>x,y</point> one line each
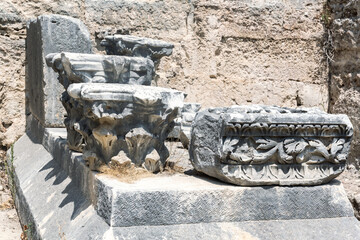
<point>344,51</point>
<point>50,34</point>
<point>261,145</point>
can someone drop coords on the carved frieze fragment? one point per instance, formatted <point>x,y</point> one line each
<point>262,145</point>
<point>122,118</point>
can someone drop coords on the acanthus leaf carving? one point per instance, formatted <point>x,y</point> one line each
<point>281,150</point>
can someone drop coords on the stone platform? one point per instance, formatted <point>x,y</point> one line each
<point>57,195</point>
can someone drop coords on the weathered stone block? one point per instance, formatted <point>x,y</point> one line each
<point>258,145</point>
<point>122,118</point>
<point>182,199</point>
<point>92,68</point>
<point>127,45</point>
<point>48,34</point>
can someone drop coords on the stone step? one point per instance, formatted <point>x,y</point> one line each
<point>57,196</point>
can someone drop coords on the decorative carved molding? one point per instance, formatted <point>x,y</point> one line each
<point>92,68</point>
<point>259,142</point>
<point>119,118</point>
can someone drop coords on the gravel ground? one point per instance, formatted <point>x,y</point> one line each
<point>10,228</point>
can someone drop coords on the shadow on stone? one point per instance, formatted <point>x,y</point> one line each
<point>73,195</point>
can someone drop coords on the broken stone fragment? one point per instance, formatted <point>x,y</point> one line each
<point>122,117</point>
<point>153,162</point>
<point>91,68</point>
<point>261,145</point>
<point>187,117</point>
<point>127,45</point>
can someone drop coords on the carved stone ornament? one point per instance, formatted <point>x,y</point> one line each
<point>95,68</point>
<point>91,68</point>
<point>259,145</point>
<point>121,120</point>
<point>127,45</point>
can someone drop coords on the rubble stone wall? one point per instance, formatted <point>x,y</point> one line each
<point>226,52</point>
<point>344,26</point>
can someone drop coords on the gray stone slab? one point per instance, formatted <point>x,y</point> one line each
<point>50,34</point>
<point>181,198</point>
<point>304,229</point>
<point>54,204</point>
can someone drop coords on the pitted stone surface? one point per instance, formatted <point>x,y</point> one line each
<point>126,118</point>
<point>48,34</point>
<point>259,145</point>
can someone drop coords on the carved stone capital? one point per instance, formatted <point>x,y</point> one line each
<point>119,118</point>
<point>127,45</point>
<point>259,145</point>
<point>91,68</point>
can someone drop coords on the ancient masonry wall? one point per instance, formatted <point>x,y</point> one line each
<point>344,24</point>
<point>226,52</point>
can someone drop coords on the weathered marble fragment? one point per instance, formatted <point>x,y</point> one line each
<point>128,45</point>
<point>187,117</point>
<point>91,68</point>
<point>48,34</point>
<point>122,118</point>
<point>259,145</point>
